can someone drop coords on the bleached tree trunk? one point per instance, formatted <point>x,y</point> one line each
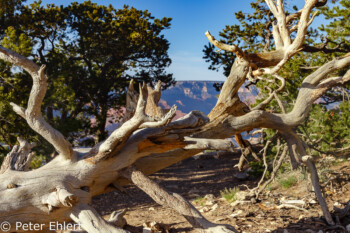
<point>148,141</point>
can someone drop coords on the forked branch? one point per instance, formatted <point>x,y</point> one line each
<point>290,48</point>
<point>119,137</point>
<point>33,114</point>
<point>230,48</point>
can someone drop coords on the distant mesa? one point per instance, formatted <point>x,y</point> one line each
<point>188,96</point>
<point>198,95</point>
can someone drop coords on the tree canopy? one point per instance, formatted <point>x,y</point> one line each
<point>91,53</point>
<point>254,34</point>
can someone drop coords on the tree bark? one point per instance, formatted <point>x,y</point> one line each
<point>149,141</point>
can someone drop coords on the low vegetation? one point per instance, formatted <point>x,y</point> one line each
<point>229,194</point>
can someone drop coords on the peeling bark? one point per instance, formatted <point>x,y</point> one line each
<point>19,158</point>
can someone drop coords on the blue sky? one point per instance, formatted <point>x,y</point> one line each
<point>191,18</point>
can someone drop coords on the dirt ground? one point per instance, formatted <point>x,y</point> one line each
<point>201,181</point>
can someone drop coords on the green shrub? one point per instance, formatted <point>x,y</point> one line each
<point>288,182</point>
<point>38,161</point>
<point>229,194</point>
<point>199,201</point>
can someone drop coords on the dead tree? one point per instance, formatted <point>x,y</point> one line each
<point>148,141</point>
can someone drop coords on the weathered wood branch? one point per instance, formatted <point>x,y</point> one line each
<point>120,136</point>
<point>246,149</point>
<point>254,119</point>
<point>152,108</point>
<point>297,150</point>
<point>278,12</point>
<point>174,201</point>
<point>259,188</point>
<point>285,47</point>
<point>208,144</point>
<point>228,102</point>
<point>19,158</point>
<point>230,48</point>
<point>131,101</point>
<point>88,219</point>
<point>18,60</point>
<point>33,114</point>
<point>272,95</point>
<point>317,188</point>
<point>151,145</point>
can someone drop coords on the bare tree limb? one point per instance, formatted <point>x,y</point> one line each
<point>119,137</point>
<point>18,60</point>
<point>289,48</point>
<point>246,149</point>
<point>208,144</point>
<point>91,221</point>
<point>273,173</point>
<point>174,201</point>
<point>152,108</point>
<point>316,184</point>
<point>313,171</point>
<point>272,95</point>
<point>230,48</point>
<point>165,120</point>
<point>282,24</point>
<point>33,113</point>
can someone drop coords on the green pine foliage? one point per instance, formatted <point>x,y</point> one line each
<point>327,127</point>
<point>91,53</point>
<point>328,130</point>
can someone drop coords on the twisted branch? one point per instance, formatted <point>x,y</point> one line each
<point>33,114</point>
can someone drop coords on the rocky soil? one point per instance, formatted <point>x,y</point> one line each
<point>288,204</point>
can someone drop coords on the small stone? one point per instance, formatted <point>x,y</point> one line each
<point>242,175</point>
<point>214,207</point>
<point>312,201</point>
<point>320,231</point>
<point>241,195</point>
<point>235,203</point>
<point>208,203</point>
<point>285,231</point>
<point>337,203</point>
<point>204,209</point>
<point>209,197</point>
<point>236,214</point>
<point>348,228</point>
<point>151,209</point>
